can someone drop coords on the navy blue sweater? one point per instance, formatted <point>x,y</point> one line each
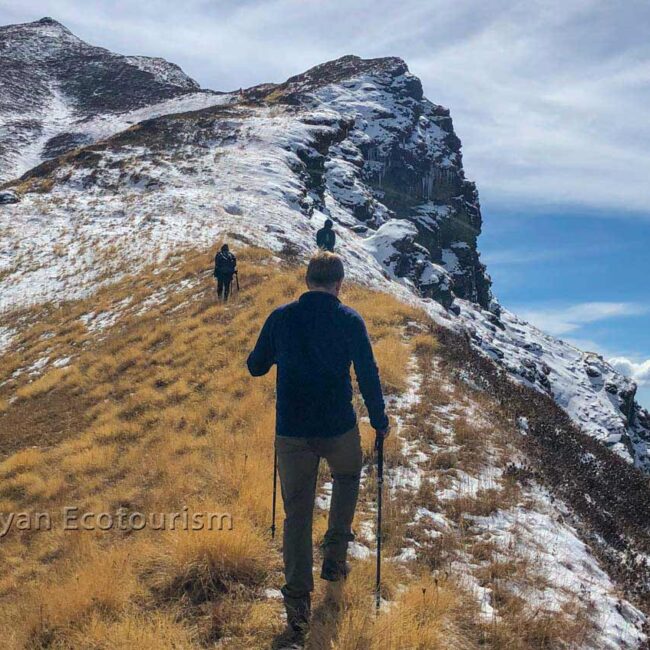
<point>313,341</point>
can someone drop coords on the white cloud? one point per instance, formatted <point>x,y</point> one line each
<point>548,96</point>
<point>588,345</point>
<point>526,256</point>
<point>559,321</point>
<point>545,115</point>
<point>638,371</point>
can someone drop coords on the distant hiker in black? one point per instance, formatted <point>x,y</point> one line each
<point>313,341</point>
<point>326,237</point>
<point>225,266</point>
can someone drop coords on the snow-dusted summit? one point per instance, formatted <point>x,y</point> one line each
<point>57,92</point>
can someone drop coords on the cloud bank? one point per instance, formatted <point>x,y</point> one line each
<point>638,371</point>
<point>559,321</point>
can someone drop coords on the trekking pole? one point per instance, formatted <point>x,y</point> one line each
<point>379,446</point>
<point>237,280</point>
<point>275,490</point>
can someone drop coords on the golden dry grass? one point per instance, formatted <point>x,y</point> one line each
<point>44,384</point>
<point>161,414</point>
<point>157,413</point>
<point>431,613</point>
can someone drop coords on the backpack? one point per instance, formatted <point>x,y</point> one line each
<point>325,238</point>
<point>224,263</point>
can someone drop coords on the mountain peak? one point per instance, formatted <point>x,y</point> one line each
<point>348,67</point>
<point>351,64</point>
<point>53,26</point>
<point>388,71</point>
<point>36,39</point>
<point>46,20</point>
<point>44,26</point>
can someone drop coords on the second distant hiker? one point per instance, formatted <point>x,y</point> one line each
<point>225,266</point>
<point>326,237</point>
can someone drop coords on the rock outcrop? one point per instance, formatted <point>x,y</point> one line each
<point>8,196</point>
<point>393,244</point>
<point>397,158</point>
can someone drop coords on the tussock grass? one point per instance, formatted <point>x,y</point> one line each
<point>96,583</point>
<point>156,412</point>
<point>430,613</point>
<point>425,345</point>
<point>150,631</point>
<point>393,375</point>
<point>198,566</point>
<point>21,461</point>
<point>159,413</point>
<point>44,384</point>
<point>484,503</point>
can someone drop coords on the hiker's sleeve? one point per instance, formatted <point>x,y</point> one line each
<point>262,357</point>
<point>367,373</point>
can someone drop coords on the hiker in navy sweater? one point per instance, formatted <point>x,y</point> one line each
<point>314,341</point>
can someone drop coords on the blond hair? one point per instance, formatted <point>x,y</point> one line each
<point>325,269</point>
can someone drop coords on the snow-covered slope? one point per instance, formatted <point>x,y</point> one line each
<point>353,140</point>
<point>57,93</point>
<point>598,398</point>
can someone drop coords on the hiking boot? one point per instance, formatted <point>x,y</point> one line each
<point>334,570</point>
<point>289,639</point>
<point>298,613</point>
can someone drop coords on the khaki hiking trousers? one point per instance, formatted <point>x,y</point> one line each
<point>298,460</point>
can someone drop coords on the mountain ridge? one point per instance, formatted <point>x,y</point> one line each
<point>53,86</point>
<point>355,141</point>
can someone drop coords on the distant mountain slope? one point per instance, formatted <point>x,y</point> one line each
<point>53,87</point>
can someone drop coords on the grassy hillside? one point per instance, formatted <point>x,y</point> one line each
<point>137,400</point>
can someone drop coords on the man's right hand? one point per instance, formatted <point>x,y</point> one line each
<point>381,434</point>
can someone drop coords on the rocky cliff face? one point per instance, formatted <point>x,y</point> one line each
<point>396,156</point>
<point>52,85</point>
<point>352,140</point>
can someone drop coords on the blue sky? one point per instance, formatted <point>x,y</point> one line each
<point>548,96</point>
<point>579,275</point>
